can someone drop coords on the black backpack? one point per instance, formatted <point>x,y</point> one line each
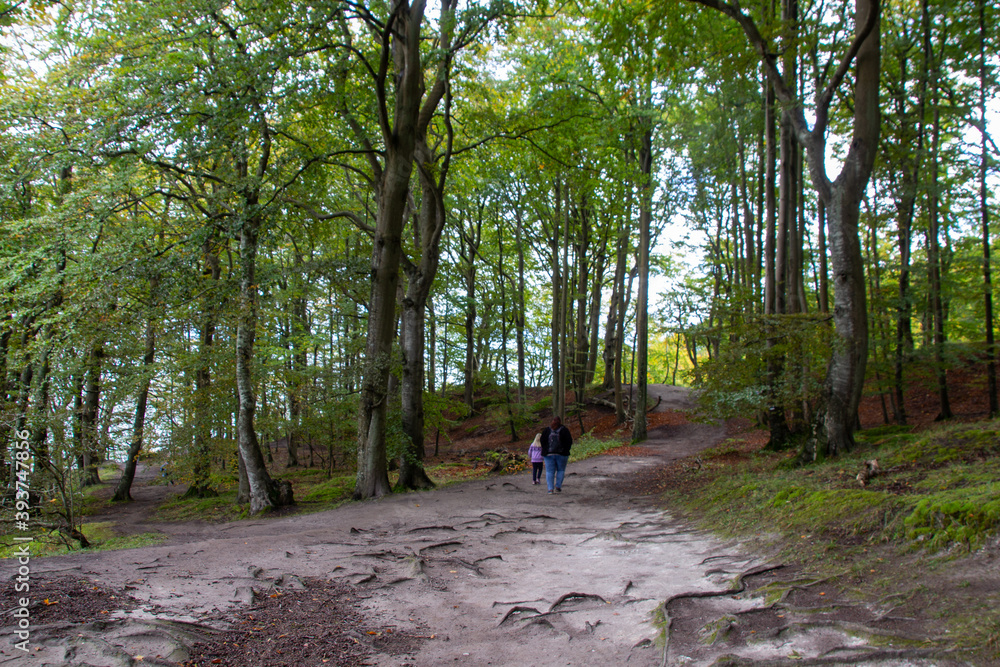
<point>555,442</point>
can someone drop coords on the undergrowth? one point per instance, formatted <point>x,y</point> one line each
<point>938,490</point>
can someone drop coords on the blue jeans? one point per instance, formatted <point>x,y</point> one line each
<point>555,470</point>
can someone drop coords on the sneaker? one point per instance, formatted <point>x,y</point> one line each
<point>558,490</point>
<point>550,492</point>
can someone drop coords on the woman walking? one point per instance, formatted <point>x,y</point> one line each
<point>556,443</point>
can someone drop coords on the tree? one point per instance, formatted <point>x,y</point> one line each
<point>842,199</point>
<point>400,45</point>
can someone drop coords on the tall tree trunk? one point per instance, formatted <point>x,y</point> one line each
<point>773,275</point>
<point>905,197</point>
<point>594,325</point>
<point>581,347</point>
<point>201,465</point>
<point>984,213</point>
<point>564,317</point>
<point>511,421</point>
<point>420,277</point>
<point>88,416</point>
<point>824,268</point>
<point>521,312</point>
<point>612,340</point>
<point>298,331</point>
<point>471,240</point>
<point>263,490</point>
<point>751,279</point>
<point>432,338</point>
<point>429,225</point>
<point>790,241</point>
<point>639,430</point>
<point>934,263</point>
<point>393,185</point>
<point>123,491</point>
<point>846,371</point>
<point>558,393</point>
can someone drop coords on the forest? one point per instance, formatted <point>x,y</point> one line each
<point>338,223</point>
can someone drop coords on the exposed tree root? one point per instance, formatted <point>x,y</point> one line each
<point>738,587</point>
<point>575,596</point>
<point>817,625</point>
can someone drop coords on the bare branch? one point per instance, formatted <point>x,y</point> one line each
<point>316,215</point>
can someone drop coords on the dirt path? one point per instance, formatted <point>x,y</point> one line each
<point>150,489</point>
<point>492,572</point>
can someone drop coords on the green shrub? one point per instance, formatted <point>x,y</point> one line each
<point>588,445</point>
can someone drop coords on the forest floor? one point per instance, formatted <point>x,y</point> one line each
<point>493,571</point>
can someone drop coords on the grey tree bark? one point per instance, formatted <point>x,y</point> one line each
<point>432,171</point>
<point>400,41</point>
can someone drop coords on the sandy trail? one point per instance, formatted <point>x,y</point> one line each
<point>498,571</point>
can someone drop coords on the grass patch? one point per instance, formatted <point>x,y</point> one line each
<point>304,475</point>
<point>937,490</point>
<point>100,534</point>
<point>108,472</point>
<point>587,445</point>
<point>337,489</point>
<point>219,509</point>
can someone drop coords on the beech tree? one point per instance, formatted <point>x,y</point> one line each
<point>841,197</point>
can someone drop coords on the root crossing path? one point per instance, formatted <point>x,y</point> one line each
<point>491,572</point>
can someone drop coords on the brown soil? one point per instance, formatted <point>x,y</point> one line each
<point>58,598</point>
<point>324,622</point>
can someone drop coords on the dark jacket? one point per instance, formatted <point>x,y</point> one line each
<point>565,441</point>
